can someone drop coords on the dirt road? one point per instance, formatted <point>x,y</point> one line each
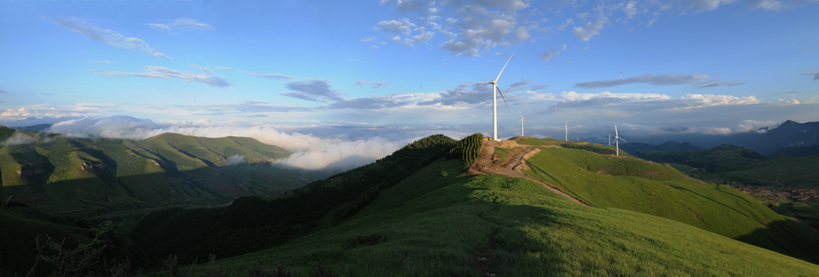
<point>485,165</point>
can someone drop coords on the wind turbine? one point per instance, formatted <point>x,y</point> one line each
<point>567,131</point>
<point>495,99</point>
<point>617,140</point>
<point>521,123</point>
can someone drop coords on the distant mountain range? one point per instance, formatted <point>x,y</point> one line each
<point>86,177</point>
<point>790,138</point>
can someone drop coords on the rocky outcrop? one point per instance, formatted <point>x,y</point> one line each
<point>90,165</point>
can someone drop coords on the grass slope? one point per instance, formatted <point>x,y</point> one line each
<point>253,223</point>
<point>658,189</point>
<point>437,223</point>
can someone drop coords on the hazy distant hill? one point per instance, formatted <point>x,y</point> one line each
<point>634,147</point>
<point>788,138</point>
<point>797,151</point>
<point>35,128</point>
<point>87,177</point>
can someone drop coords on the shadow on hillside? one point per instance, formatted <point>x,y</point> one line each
<point>780,236</point>
<point>207,186</point>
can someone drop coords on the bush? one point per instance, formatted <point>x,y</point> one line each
<point>467,150</point>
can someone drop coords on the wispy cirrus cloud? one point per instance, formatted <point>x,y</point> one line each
<point>591,29</point>
<point>270,75</point>
<point>372,83</point>
<point>264,107</point>
<point>666,79</point>
<point>715,83</point>
<point>158,72</point>
<point>181,24</point>
<point>313,90</point>
<point>263,75</point>
<point>814,74</point>
<point>106,36</point>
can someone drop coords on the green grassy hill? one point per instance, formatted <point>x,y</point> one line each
<point>658,189</point>
<point>90,177</point>
<point>731,164</point>
<point>439,223</point>
<point>253,223</point>
<point>415,214</point>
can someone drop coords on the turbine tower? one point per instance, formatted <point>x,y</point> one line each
<point>567,131</point>
<point>521,123</point>
<point>609,139</point>
<point>617,140</point>
<point>495,99</point>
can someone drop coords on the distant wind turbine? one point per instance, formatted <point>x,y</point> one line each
<point>495,99</point>
<point>521,123</point>
<point>617,140</point>
<point>567,131</point>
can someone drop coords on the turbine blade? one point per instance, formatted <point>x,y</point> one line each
<point>504,67</point>
<point>504,99</point>
<point>521,115</point>
<point>615,131</point>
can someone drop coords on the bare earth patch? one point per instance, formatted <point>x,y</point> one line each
<point>485,165</point>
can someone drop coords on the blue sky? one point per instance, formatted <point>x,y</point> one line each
<point>696,66</point>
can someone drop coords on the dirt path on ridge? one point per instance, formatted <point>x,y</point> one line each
<point>485,165</point>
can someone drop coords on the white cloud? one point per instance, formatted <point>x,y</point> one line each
<point>403,25</point>
<point>235,159</point>
<point>311,152</point>
<point>368,39</point>
<point>270,75</point>
<point>313,90</point>
<point>374,84</point>
<point>791,101</point>
<point>706,5</point>
<point>52,111</point>
<point>706,100</point>
<point>549,54</point>
<point>768,4</point>
<point>590,30</point>
<point>181,24</point>
<point>665,79</point>
<point>22,138</point>
<point>106,36</point>
<point>158,72</point>
<point>422,38</point>
<point>755,126</point>
<point>630,9</point>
